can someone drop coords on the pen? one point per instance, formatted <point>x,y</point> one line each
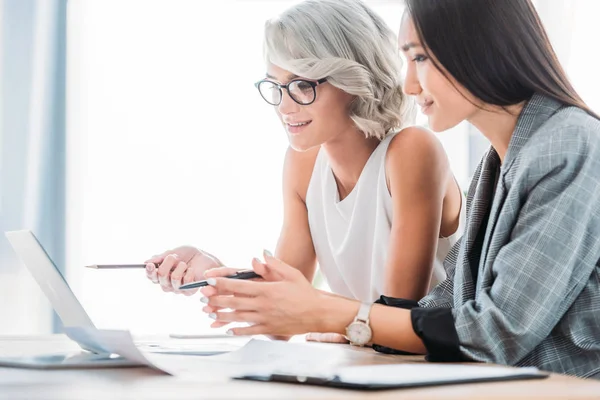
<point>118,266</point>
<point>238,275</point>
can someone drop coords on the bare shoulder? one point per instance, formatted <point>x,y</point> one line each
<point>298,169</point>
<point>416,146</point>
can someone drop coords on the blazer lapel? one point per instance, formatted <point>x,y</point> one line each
<point>532,117</point>
<point>497,203</point>
<point>478,205</point>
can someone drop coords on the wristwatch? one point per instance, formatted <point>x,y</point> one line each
<point>359,332</point>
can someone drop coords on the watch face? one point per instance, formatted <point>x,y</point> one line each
<point>358,333</point>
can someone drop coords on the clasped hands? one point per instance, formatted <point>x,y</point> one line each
<point>282,303</point>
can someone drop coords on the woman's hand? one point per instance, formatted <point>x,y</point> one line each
<point>285,303</point>
<point>220,272</point>
<point>179,266</point>
<point>326,337</point>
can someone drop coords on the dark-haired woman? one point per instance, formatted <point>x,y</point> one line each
<point>523,284</point>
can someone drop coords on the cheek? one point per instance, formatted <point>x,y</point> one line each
<point>451,109</point>
<point>428,77</point>
<point>452,101</point>
<point>432,81</point>
<point>443,92</point>
<point>325,112</point>
<point>279,116</point>
<point>336,111</point>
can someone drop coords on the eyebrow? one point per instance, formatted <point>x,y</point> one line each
<point>290,77</point>
<point>410,45</point>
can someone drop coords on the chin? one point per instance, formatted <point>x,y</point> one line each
<point>301,145</point>
<point>437,125</point>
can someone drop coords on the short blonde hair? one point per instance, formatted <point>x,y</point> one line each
<point>352,46</point>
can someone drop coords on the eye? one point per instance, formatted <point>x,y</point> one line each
<point>303,86</point>
<point>420,58</point>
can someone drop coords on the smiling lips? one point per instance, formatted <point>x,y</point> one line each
<point>296,127</point>
<point>425,106</point>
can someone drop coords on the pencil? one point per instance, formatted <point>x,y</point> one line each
<point>116,266</point>
<point>237,275</point>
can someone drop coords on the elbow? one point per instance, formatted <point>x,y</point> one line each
<point>495,338</point>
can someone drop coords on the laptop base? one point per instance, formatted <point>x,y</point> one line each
<point>68,361</point>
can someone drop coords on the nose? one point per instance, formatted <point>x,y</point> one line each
<point>412,86</point>
<point>287,105</point>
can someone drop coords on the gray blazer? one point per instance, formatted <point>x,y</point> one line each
<point>536,298</point>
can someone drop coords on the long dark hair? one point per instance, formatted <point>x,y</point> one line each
<point>497,49</point>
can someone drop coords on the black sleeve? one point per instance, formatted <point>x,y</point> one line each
<point>399,303</point>
<point>435,326</point>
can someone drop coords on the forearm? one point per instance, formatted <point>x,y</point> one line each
<point>392,327</point>
<point>330,294</point>
<point>301,256</point>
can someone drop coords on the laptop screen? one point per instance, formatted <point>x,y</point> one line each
<point>49,278</point>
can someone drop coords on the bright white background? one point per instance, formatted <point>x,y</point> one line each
<point>169,143</point>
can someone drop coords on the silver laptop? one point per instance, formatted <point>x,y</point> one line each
<point>70,310</point>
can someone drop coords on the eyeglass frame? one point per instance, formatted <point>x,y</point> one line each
<point>280,86</point>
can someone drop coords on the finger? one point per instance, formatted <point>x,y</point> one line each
<point>151,272</point>
<point>210,309</point>
<point>248,288</point>
<point>219,324</point>
<point>189,278</point>
<point>164,270</point>
<point>177,274</point>
<point>326,337</point>
<point>220,272</point>
<point>265,272</point>
<point>287,272</point>
<point>209,291</point>
<point>156,259</point>
<point>149,269</point>
<point>257,329</point>
<point>234,302</point>
<point>166,289</point>
<point>236,316</point>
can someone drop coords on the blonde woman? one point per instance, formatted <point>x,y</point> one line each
<point>371,201</point>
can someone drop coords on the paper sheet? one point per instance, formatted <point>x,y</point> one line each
<point>262,356</point>
<point>122,343</point>
<point>112,341</point>
<point>424,373</point>
<point>257,356</point>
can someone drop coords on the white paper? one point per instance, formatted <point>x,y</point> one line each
<point>268,357</point>
<point>112,341</point>
<point>122,343</point>
<point>210,348</point>
<point>425,373</point>
<point>256,357</point>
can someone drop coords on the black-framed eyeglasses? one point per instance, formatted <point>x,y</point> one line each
<point>301,91</point>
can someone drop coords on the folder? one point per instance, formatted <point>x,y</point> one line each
<point>397,376</point>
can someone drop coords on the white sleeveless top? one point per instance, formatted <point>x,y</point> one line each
<point>351,237</point>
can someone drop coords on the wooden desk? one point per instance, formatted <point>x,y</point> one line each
<point>144,383</point>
